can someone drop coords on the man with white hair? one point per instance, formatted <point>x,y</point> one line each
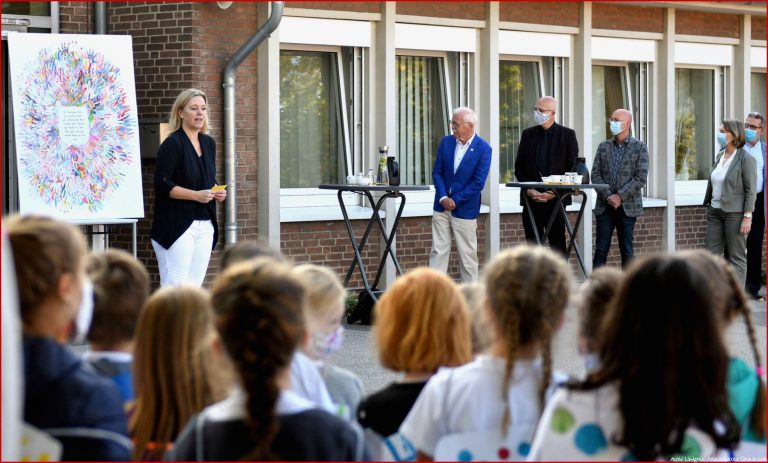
<point>461,168</point>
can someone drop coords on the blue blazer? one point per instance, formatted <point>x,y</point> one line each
<point>465,185</point>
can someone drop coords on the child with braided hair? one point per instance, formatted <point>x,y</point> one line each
<point>261,323</point>
<point>745,386</point>
<point>527,291</point>
<point>660,389</point>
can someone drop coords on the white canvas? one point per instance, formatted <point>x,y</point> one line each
<point>76,126</point>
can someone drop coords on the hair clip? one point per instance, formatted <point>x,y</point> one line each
<point>760,371</point>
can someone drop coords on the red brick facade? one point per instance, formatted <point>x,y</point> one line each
<point>628,18</point>
<point>553,14</point>
<point>758,28</point>
<point>454,10</point>
<point>358,7</point>
<point>713,24</point>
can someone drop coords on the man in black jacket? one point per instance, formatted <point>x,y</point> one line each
<point>545,149</point>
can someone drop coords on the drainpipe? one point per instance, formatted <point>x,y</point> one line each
<point>100,18</point>
<point>55,17</point>
<point>230,134</point>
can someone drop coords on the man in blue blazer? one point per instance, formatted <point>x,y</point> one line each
<point>461,168</point>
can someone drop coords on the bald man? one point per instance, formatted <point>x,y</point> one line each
<point>622,163</point>
<point>545,149</point>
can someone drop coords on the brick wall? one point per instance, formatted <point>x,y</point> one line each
<point>690,227</point>
<point>758,27</point>
<point>455,10</point>
<point>628,18</point>
<point>76,17</point>
<point>700,23</point>
<point>359,7</point>
<point>552,13</point>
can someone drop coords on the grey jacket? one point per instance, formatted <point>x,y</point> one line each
<point>739,189</point>
<point>632,178</point>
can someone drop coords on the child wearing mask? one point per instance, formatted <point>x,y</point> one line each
<point>323,311</point>
<point>527,289</point>
<point>592,303</point>
<point>62,397</point>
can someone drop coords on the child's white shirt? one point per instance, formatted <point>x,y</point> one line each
<point>469,398</point>
<point>580,425</point>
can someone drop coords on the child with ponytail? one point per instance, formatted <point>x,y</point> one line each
<point>527,291</point>
<point>745,386</point>
<point>261,323</point>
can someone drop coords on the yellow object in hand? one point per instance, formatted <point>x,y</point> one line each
<point>218,187</point>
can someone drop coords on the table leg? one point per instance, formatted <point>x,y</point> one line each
<point>358,259</point>
<point>573,232</point>
<point>527,202</point>
<point>389,239</point>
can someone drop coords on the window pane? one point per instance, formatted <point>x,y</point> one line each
<point>519,88</point>
<point>311,129</point>
<point>758,92</point>
<point>694,126</point>
<point>27,8</point>
<point>422,116</point>
<point>608,94</point>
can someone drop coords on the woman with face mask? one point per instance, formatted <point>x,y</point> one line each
<point>730,197</point>
<point>62,398</point>
<point>323,310</point>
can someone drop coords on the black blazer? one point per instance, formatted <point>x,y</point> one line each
<point>179,165</point>
<point>563,151</point>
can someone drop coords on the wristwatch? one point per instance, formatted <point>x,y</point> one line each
<point>747,215</point>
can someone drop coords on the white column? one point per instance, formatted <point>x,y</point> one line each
<point>582,121</point>
<point>383,111</point>
<point>662,153</point>
<point>269,135</point>
<point>487,108</point>
<point>742,71</point>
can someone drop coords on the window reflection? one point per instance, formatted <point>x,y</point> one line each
<point>694,126</point>
<point>519,88</point>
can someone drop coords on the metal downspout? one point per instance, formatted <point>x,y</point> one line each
<point>100,18</point>
<point>230,135</point>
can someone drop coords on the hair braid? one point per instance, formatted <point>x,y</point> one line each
<point>758,413</point>
<point>261,324</point>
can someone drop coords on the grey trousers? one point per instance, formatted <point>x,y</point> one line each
<point>723,229</point>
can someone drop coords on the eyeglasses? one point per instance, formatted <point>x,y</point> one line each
<point>542,110</point>
<point>753,127</point>
<point>454,125</point>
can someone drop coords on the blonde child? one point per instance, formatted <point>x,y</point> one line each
<point>592,303</point>
<point>482,332</point>
<point>323,311</point>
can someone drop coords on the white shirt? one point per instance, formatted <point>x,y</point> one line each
<point>461,150</point>
<point>718,178</point>
<point>233,407</point>
<point>757,153</point>
<point>469,398</point>
<point>307,382</point>
<point>579,425</point>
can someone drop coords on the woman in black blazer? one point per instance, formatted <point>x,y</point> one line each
<point>184,229</point>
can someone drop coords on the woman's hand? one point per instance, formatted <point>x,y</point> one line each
<point>220,195</point>
<point>204,196</point>
<point>746,225</point>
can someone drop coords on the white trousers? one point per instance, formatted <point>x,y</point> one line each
<point>186,261</point>
<point>464,232</point>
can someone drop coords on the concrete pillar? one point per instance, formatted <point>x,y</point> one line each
<point>581,60</point>
<point>268,102</point>
<point>487,108</point>
<point>662,152</point>
<point>742,71</point>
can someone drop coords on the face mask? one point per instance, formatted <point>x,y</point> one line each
<point>615,127</point>
<point>84,313</point>
<point>540,117</point>
<point>721,139</point>
<point>326,344</point>
<point>751,135</point>
<point>591,362</point>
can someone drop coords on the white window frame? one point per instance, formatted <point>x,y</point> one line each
<point>691,192</point>
<point>297,197</point>
<point>417,200</point>
<point>509,197</point>
<point>624,65</point>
